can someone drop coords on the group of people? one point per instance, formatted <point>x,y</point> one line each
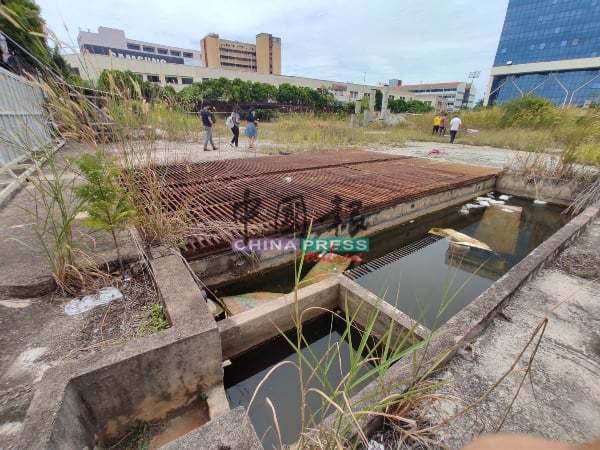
<point>439,126</point>
<point>209,121</point>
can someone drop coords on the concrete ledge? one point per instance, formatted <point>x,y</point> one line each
<point>100,394</point>
<point>551,190</point>
<point>244,331</point>
<point>231,431</point>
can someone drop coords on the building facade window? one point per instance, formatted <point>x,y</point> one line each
<point>162,51</point>
<point>153,78</point>
<point>187,80</point>
<point>188,55</point>
<point>132,46</point>
<point>175,53</point>
<point>149,49</point>
<point>539,31</point>
<point>169,79</point>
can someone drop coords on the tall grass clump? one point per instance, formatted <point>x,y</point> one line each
<point>301,132</point>
<point>54,203</point>
<point>54,209</point>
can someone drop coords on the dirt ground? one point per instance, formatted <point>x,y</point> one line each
<point>35,333</point>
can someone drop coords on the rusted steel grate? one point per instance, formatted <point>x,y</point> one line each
<point>273,196</point>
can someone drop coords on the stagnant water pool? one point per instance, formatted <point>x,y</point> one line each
<point>427,277</point>
<point>323,342</point>
<point>423,275</point>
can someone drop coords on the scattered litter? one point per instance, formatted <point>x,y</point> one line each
<point>226,363</point>
<point>505,197</point>
<point>474,206</point>
<point>464,211</point>
<point>491,201</point>
<point>374,445</point>
<point>467,352</point>
<point>459,238</point>
<point>472,131</point>
<point>15,303</point>
<point>484,203</point>
<point>539,203</point>
<point>103,297</point>
<point>491,194</point>
<point>288,179</point>
<point>436,152</point>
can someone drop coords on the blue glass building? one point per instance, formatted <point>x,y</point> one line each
<point>551,49</point>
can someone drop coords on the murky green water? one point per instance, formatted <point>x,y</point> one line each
<point>435,282</point>
<point>283,387</point>
<point>430,281</point>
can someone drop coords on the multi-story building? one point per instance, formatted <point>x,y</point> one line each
<point>90,66</point>
<point>548,48</point>
<point>264,57</point>
<point>113,42</point>
<point>444,97</point>
<point>178,67</point>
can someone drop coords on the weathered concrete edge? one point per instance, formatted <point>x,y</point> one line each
<point>45,285</point>
<point>242,332</point>
<point>465,326</point>
<point>354,297</point>
<point>60,382</point>
<point>233,430</point>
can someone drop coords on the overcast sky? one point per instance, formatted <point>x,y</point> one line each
<point>373,41</point>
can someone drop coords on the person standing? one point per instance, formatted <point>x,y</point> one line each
<point>251,125</point>
<point>436,124</point>
<point>235,129</point>
<point>443,125</point>
<point>455,124</point>
<point>208,122</point>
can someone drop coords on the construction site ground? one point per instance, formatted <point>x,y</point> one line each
<point>560,398</point>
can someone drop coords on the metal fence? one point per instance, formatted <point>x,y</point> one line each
<point>24,128</point>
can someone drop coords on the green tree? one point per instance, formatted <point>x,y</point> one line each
<point>20,20</point>
<point>108,204</point>
<point>527,111</point>
<point>288,94</point>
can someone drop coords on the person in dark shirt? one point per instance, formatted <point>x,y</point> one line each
<point>252,123</point>
<point>208,122</point>
<point>235,117</point>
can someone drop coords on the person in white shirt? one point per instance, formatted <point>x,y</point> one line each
<point>455,124</point>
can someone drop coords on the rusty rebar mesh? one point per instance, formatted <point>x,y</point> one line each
<point>280,195</point>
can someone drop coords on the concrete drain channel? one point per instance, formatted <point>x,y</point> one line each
<point>157,377</point>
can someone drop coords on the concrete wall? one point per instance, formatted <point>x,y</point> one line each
<point>551,190</point>
<point>242,332</point>
<point>146,378</point>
